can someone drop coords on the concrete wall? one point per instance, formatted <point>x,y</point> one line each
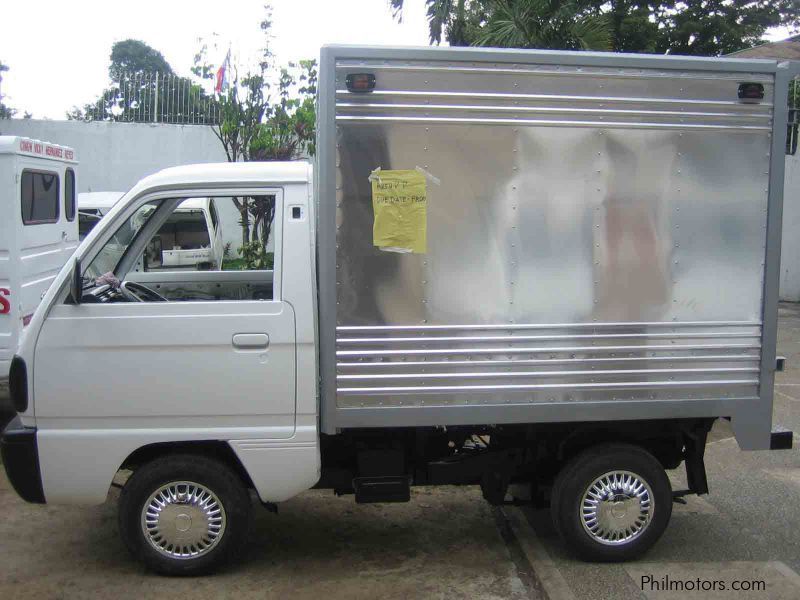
<point>790,246</point>
<point>114,156</point>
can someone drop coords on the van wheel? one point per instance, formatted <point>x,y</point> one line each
<point>611,502</point>
<point>184,514</point>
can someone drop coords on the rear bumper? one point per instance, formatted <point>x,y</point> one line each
<point>21,461</point>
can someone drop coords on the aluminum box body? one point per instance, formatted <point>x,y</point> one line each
<point>601,242</point>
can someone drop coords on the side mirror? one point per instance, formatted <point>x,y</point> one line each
<point>76,283</point>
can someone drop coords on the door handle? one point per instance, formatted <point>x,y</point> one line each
<point>251,341</point>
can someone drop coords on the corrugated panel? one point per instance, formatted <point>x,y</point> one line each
<point>552,96</point>
<point>406,365</point>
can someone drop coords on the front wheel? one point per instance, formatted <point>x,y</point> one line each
<point>184,514</point>
<point>611,502</point>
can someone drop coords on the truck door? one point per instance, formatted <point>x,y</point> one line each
<point>169,347</point>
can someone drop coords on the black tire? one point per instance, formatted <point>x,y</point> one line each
<point>217,478</point>
<point>574,480</point>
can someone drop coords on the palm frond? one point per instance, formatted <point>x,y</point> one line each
<point>439,12</point>
<point>593,32</point>
<point>551,24</point>
<point>397,9</point>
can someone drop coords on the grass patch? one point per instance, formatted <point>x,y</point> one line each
<point>234,264</point>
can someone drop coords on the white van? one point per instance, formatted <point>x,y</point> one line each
<point>38,229</point>
<point>191,238</point>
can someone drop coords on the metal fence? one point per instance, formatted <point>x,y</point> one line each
<point>153,98</point>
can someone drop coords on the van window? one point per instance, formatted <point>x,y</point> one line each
<point>186,229</point>
<point>39,197</point>
<point>69,195</point>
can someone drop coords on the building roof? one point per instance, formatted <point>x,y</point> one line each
<point>788,49</point>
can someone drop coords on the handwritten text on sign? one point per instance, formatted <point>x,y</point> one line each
<point>400,204</point>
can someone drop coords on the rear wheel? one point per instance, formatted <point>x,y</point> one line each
<point>611,502</point>
<point>184,514</point>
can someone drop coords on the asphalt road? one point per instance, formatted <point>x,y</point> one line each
<point>448,543</point>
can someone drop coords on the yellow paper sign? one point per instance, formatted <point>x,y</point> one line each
<point>400,204</point>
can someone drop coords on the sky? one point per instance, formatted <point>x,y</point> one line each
<point>58,50</point>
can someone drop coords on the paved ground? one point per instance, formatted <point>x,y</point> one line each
<point>748,527</point>
<point>447,543</point>
<point>444,544</point>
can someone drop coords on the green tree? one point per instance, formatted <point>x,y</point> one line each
<point>549,24</point>
<point>288,131</point>
<point>452,20</point>
<point>134,56</point>
<point>254,125</point>
<point>714,27</point>
<point>687,27</point>
<point>632,24</point>
<point>145,88</point>
<point>6,112</point>
<point>556,24</point>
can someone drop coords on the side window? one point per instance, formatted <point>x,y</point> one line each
<point>39,197</point>
<point>69,194</point>
<point>233,259</point>
<point>167,252</point>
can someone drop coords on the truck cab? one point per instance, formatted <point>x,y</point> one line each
<point>38,231</point>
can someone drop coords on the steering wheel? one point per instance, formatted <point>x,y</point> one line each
<point>136,292</point>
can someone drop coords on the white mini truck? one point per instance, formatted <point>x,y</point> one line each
<point>546,274</point>
<point>38,229</point>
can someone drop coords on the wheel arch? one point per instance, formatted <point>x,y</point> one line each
<point>665,440</point>
<point>217,449</point>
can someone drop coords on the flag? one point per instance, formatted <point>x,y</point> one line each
<point>223,74</point>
